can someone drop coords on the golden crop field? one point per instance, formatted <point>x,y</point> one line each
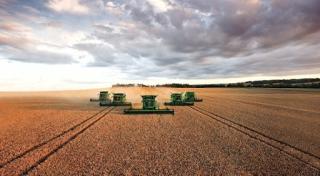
<point>232,132</point>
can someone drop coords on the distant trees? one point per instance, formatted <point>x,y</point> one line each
<point>130,85</point>
<point>123,85</point>
<point>284,83</point>
<point>287,83</point>
<point>177,85</point>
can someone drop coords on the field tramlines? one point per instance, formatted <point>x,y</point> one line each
<point>266,105</point>
<point>26,161</point>
<point>304,156</point>
<point>232,132</point>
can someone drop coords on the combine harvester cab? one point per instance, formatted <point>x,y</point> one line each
<point>149,106</point>
<point>176,99</point>
<point>191,97</point>
<point>118,99</point>
<point>100,95</point>
<point>104,98</point>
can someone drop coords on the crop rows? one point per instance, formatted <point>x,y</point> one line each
<point>304,156</point>
<point>226,134</point>
<point>187,143</point>
<point>299,128</point>
<point>24,162</point>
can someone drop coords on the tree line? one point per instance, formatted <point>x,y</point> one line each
<point>280,83</point>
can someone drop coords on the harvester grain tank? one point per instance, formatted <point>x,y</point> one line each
<point>191,97</point>
<point>176,99</point>
<point>149,106</point>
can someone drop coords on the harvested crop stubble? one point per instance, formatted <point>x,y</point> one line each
<point>26,124</point>
<point>299,128</point>
<point>187,143</point>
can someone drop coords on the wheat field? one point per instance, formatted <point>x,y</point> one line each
<point>232,132</point>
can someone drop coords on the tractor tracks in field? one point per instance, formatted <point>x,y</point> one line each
<point>306,157</point>
<point>24,162</point>
<point>267,105</point>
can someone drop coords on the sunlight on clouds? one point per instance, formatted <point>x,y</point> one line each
<point>149,41</point>
<point>60,36</point>
<point>14,27</point>
<point>114,9</point>
<point>253,1</point>
<point>69,6</point>
<point>160,5</point>
<point>18,76</point>
<point>73,38</point>
<point>80,56</point>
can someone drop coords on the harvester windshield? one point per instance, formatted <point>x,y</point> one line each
<point>149,102</point>
<point>104,96</point>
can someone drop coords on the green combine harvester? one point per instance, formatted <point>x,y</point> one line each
<point>190,97</point>
<point>176,99</point>
<point>118,99</point>
<point>149,106</point>
<point>103,95</point>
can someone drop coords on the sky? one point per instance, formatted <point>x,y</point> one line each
<point>79,44</point>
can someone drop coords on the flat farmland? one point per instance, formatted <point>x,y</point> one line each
<point>232,132</point>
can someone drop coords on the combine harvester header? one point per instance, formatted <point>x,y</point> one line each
<point>149,106</point>
<point>149,103</point>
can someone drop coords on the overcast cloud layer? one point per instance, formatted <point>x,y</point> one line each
<point>174,39</point>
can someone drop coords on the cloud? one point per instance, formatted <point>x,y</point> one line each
<point>178,39</point>
<point>52,24</point>
<point>14,27</point>
<point>114,9</point>
<point>18,42</point>
<point>104,54</point>
<point>68,6</point>
<point>44,54</point>
<point>232,26</point>
<point>38,56</point>
<point>103,27</point>
<point>160,5</point>
<point>4,3</point>
<point>213,39</point>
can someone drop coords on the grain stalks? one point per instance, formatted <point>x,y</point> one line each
<point>26,161</point>
<point>299,154</point>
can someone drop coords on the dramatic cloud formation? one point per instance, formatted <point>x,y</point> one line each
<point>166,39</point>
<point>70,6</point>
